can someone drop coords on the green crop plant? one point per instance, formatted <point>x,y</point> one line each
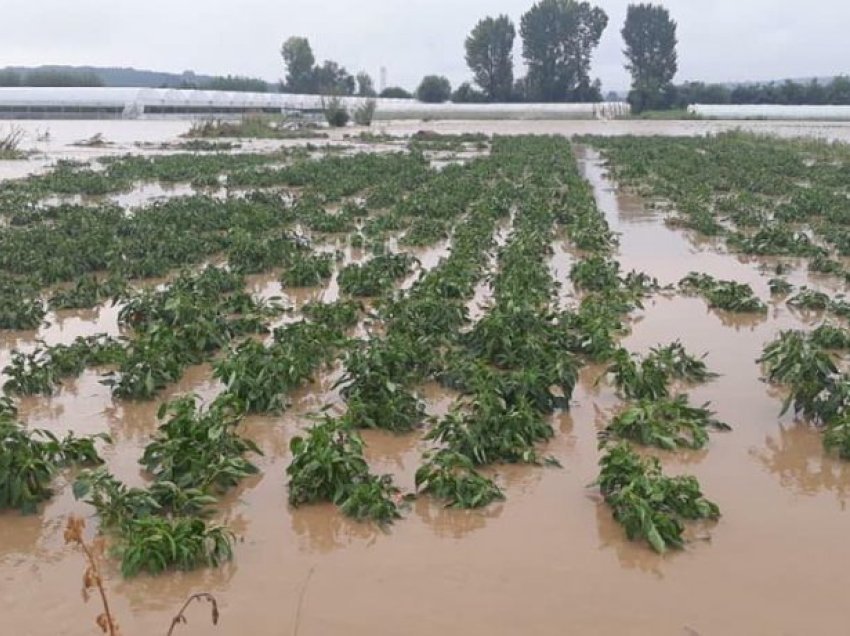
<point>41,371</point>
<point>823,265</point>
<point>19,309</point>
<point>675,361</point>
<point>328,465</point>
<point>808,370</point>
<point>197,449</point>
<point>723,294</point>
<point>648,504</point>
<point>519,337</point>
<point>424,231</point>
<point>451,477</point>
<point>637,378</point>
<point>88,292</point>
<point>308,271</point>
<point>735,297</point>
<point>836,437</point>
<point>371,499</point>
<point>337,316</point>
<point>376,276</point>
<point>422,314</point>
<point>667,423</point>
<point>183,324</point>
<point>327,461</point>
<point>830,336</point>
<point>780,287</point>
<point>30,374</point>
<point>775,240</point>
<point>374,385</point>
<point>156,544</point>
<point>115,503</point>
<point>810,300</point>
<point>595,273</point>
<point>594,328</point>
<point>485,429</point>
<point>261,376</point>
<point>29,460</point>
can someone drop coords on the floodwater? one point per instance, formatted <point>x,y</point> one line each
<point>550,560</point>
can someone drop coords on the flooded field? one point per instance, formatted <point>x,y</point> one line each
<point>549,559</point>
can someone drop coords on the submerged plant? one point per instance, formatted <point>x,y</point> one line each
<point>328,465</point>
<point>723,294</point>
<point>779,287</point>
<point>29,459</point>
<point>376,276</point>
<point>830,337</point>
<point>371,499</point>
<point>198,449</point>
<point>666,423</point>
<point>836,437</point>
<point>648,504</point>
<point>308,271</point>
<point>451,477</point>
<point>808,370</point>
<point>676,362</point>
<point>156,544</point>
<point>810,299</point>
<point>636,378</point>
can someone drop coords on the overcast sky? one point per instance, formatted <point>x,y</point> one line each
<point>718,39</point>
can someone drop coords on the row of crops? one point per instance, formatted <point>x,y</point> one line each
<point>787,200</point>
<point>509,369</point>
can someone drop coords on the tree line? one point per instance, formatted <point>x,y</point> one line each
<point>558,38</point>
<point>73,78</point>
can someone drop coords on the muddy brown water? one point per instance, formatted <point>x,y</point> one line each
<point>549,560</point>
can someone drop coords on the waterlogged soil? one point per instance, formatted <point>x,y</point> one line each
<point>549,560</point>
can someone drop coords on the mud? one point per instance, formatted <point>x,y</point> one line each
<point>549,560</point>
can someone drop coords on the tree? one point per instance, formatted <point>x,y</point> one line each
<point>489,54</point>
<point>9,78</point>
<point>332,79</point>
<point>236,83</point>
<point>60,77</point>
<point>365,85</point>
<point>434,89</point>
<point>299,59</point>
<point>650,37</point>
<point>839,90</point>
<point>558,38</point>
<point>395,92</point>
<point>466,94</point>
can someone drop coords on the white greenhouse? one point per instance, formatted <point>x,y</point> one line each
<point>770,111</point>
<point>162,103</point>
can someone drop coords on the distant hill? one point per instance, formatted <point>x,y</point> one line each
<point>115,76</point>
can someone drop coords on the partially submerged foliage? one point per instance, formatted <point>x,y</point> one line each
<point>808,371</point>
<point>451,477</point>
<point>723,294</point>
<point>647,503</point>
<point>30,459</point>
<point>328,465</point>
<point>198,449</point>
<point>666,423</point>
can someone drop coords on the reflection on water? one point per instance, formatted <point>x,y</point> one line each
<point>321,528</point>
<point>796,456</point>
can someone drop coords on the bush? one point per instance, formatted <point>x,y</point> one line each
<point>336,114</point>
<point>395,92</point>
<point>434,89</point>
<point>364,113</point>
